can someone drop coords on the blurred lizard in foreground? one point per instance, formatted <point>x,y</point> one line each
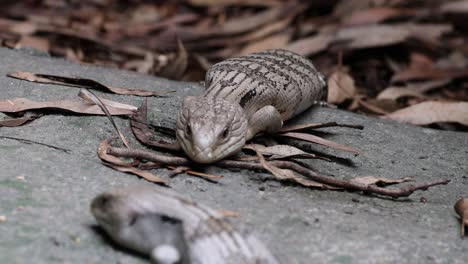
<point>172,229</point>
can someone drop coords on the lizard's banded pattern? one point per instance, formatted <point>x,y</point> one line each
<point>246,96</point>
<point>279,78</point>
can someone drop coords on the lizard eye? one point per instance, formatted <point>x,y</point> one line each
<point>188,131</point>
<point>225,133</point>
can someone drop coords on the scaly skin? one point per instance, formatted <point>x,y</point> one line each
<point>172,229</point>
<point>245,96</point>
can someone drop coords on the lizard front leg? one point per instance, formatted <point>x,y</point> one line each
<point>266,119</point>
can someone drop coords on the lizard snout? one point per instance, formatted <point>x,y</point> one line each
<point>204,155</point>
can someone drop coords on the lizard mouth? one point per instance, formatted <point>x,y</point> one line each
<point>205,156</point>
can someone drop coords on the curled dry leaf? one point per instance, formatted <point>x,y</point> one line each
<point>80,83</point>
<point>340,87</point>
<point>280,151</point>
<point>461,207</point>
<point>72,105</point>
<point>380,181</point>
<point>102,154</point>
<point>319,140</point>
<point>175,68</point>
<point>144,65</point>
<point>432,112</point>
<point>146,135</point>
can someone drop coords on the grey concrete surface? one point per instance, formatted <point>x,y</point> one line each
<point>45,193</point>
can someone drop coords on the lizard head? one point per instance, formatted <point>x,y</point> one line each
<point>210,129</point>
<point>110,212</point>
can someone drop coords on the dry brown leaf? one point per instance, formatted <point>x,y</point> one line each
<point>345,7</point>
<point>72,105</point>
<point>22,28</point>
<point>455,7</point>
<point>204,175</point>
<point>144,174</point>
<point>370,106</point>
<point>144,65</point>
<point>257,34</point>
<point>80,83</point>
<point>320,141</point>
<point>369,180</point>
<point>249,22</point>
<point>286,174</point>
<point>379,14</point>
<point>311,126</point>
<point>428,32</point>
<point>311,45</point>
<point>38,43</point>
<point>176,67</point>
<point>14,122</point>
<point>277,41</point>
<point>422,68</point>
<point>410,90</point>
<point>218,3</point>
<point>262,32</point>
<point>372,36</point>
<point>340,87</point>
<point>145,13</point>
<point>433,112</point>
<point>280,151</point>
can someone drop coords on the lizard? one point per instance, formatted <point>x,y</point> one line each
<point>173,229</point>
<point>245,96</point>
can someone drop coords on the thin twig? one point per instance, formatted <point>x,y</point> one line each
<point>37,143</point>
<point>90,96</point>
<point>345,184</point>
<point>150,156</point>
